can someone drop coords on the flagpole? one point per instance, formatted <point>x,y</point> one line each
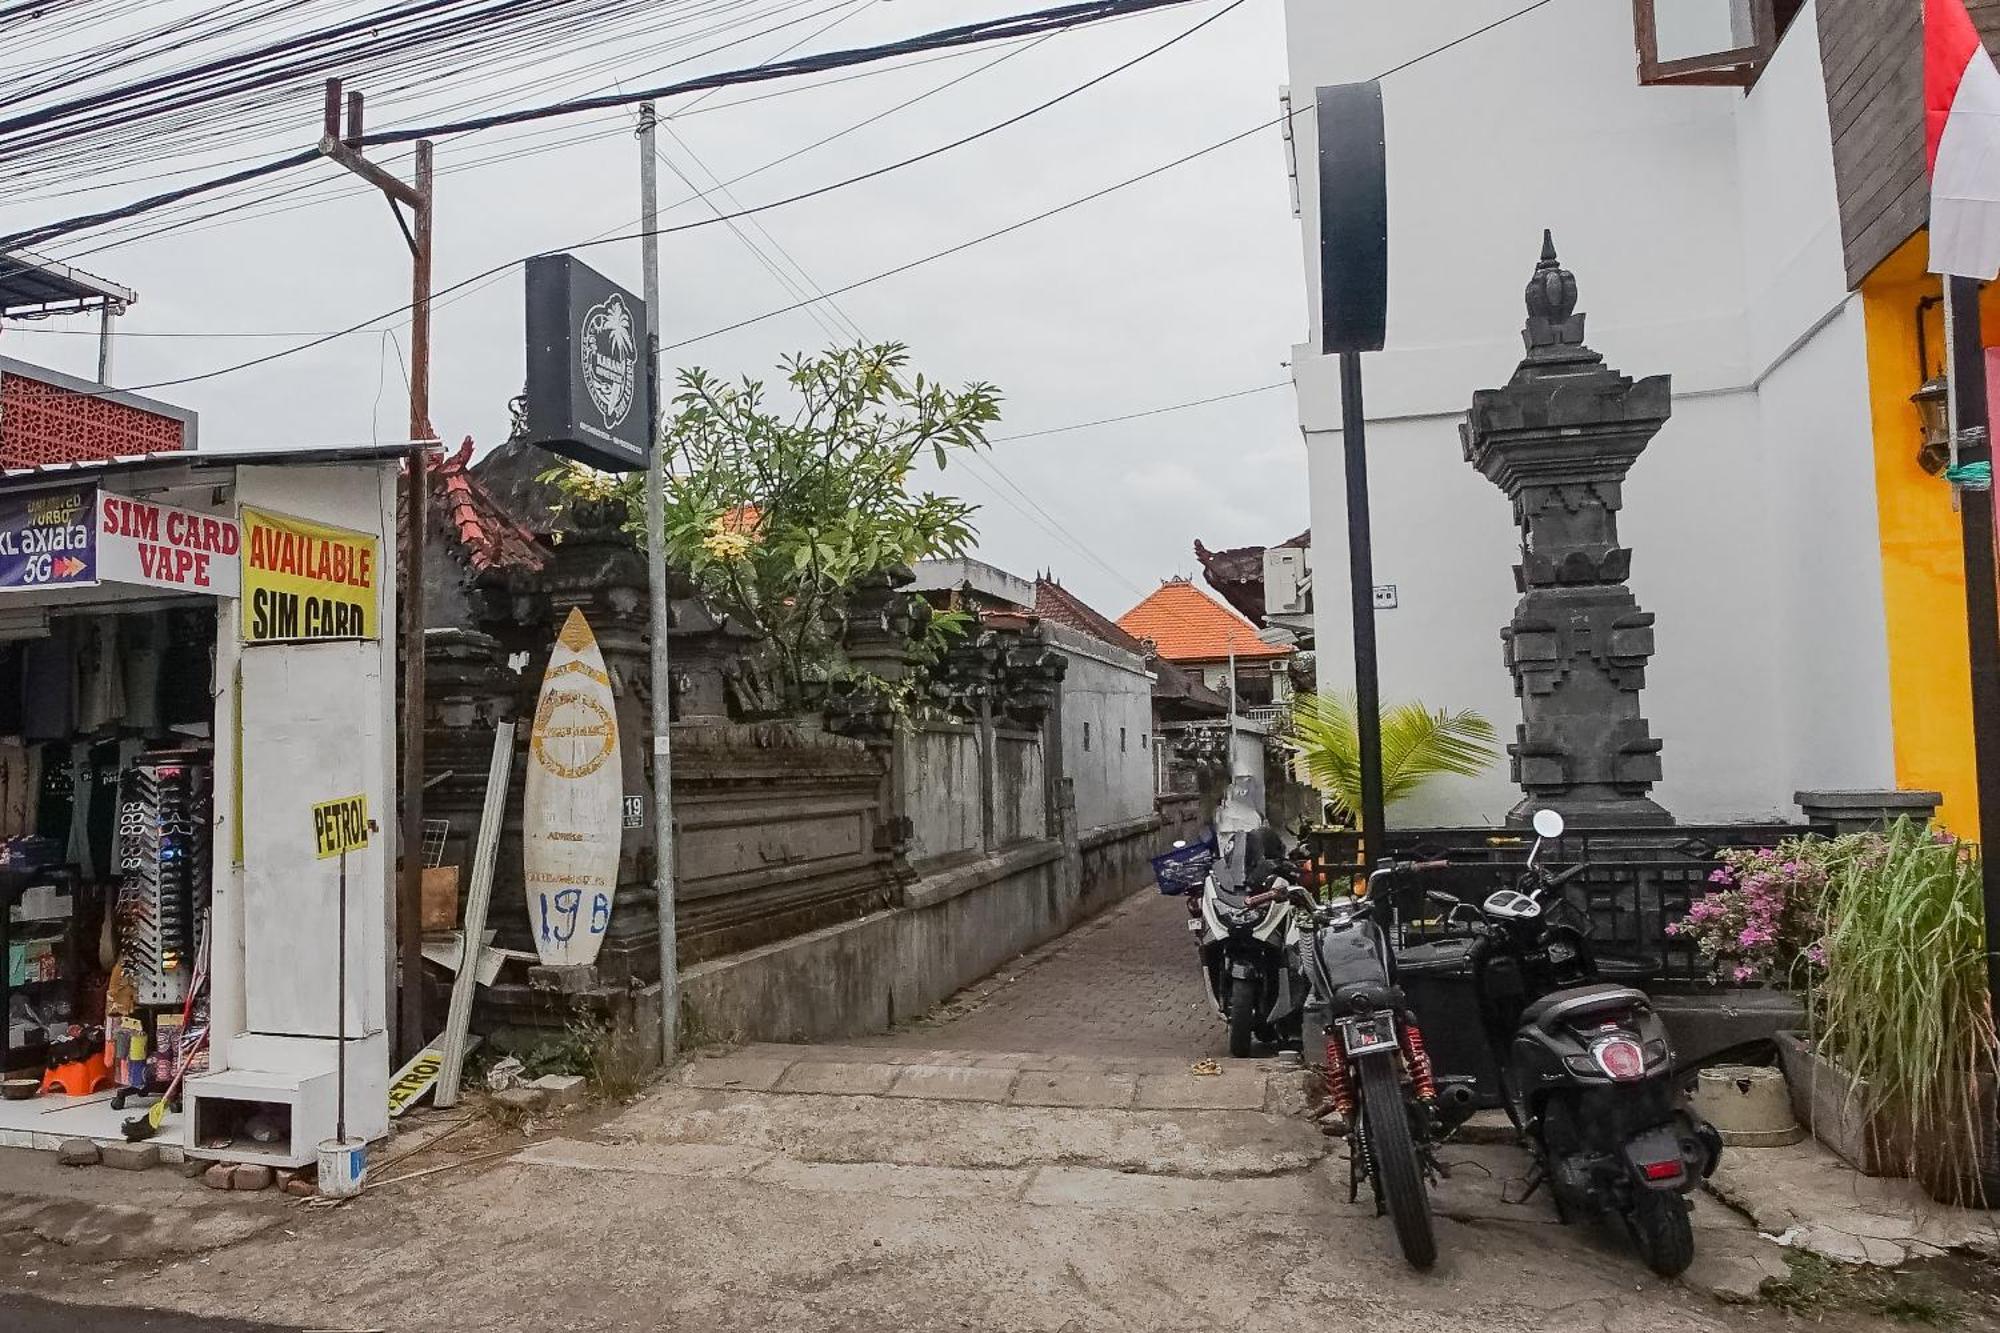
<point>1972,445</point>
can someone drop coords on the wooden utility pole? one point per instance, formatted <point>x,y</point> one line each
<point>346,150</point>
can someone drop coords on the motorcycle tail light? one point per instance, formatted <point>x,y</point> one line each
<point>1667,1170</point>
<point>1620,1058</point>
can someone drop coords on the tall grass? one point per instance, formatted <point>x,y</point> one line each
<point>1902,1004</point>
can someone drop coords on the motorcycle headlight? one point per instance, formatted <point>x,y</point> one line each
<point>1241,916</point>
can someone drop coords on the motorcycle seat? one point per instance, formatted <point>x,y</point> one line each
<point>1580,1002</point>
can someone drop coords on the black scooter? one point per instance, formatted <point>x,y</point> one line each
<point>1586,1068</point>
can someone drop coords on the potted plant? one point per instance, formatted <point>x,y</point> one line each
<point>1883,935</point>
<point>1900,1013</point>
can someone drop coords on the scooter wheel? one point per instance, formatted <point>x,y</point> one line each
<point>1242,1015</point>
<point>1660,1224</point>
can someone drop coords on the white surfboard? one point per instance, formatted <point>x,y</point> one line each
<point>571,815</point>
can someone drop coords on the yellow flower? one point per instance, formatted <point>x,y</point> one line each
<point>727,545</point>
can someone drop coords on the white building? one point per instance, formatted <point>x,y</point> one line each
<point>1704,227</point>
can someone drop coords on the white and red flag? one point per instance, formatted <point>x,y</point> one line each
<point>1962,142</point>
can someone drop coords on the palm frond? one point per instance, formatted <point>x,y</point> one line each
<point>1418,745</point>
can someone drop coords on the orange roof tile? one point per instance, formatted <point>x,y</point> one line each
<point>1190,626</point>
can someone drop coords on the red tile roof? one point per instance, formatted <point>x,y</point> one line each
<point>1190,626</point>
<point>1057,603</point>
<point>492,538</point>
<point>1171,685</point>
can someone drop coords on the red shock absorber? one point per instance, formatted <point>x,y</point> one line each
<point>1422,1080</point>
<point>1339,1090</point>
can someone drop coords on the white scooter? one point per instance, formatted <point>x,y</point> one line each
<point>1247,935</point>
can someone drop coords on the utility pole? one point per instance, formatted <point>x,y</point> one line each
<point>346,150</point>
<point>1972,445</point>
<point>656,588</point>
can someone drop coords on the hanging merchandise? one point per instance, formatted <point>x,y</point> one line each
<point>161,849</point>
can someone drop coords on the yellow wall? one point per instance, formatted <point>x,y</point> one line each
<point>1923,571</point>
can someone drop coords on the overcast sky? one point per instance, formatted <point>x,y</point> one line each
<point>1184,286</point>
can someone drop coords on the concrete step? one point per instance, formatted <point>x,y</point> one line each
<point>1009,1078</point>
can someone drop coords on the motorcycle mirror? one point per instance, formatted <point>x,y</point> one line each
<point>1548,824</point>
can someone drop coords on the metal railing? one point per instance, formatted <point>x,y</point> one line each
<point>1639,882</point>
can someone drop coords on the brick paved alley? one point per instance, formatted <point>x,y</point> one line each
<point>1124,984</point>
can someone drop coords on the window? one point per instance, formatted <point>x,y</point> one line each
<point>1086,735</point>
<point>1708,42</point>
<point>1121,740</point>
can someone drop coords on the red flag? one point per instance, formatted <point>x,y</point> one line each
<point>1961,143</point>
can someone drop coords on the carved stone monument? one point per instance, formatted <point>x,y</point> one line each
<point>1559,439</point>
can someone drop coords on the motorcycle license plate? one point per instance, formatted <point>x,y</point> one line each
<point>1194,924</point>
<point>1376,1032</point>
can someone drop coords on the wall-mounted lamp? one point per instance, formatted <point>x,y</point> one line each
<point>1931,401</point>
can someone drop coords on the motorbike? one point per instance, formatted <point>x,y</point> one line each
<point>1586,1067</point>
<point>1381,1087</point>
<point>1246,932</point>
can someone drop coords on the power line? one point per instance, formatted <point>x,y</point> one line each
<point>1031,24</point>
<point>1148,412</point>
<point>901,268</point>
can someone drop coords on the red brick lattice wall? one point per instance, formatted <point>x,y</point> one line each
<point>46,423</point>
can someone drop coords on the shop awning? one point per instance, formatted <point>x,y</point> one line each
<point>305,456</point>
<point>33,285</point>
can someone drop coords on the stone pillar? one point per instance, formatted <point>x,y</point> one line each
<point>1559,439</point>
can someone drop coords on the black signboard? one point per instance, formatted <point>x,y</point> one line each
<point>586,366</point>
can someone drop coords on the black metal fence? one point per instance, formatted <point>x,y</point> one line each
<point>1639,880</point>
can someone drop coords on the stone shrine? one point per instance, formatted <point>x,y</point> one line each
<point>1559,439</point>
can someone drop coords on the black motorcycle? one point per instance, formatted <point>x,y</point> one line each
<point>1379,1080</point>
<point>1586,1068</point>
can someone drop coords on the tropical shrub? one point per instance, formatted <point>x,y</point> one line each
<point>1418,746</point>
<point>777,509</point>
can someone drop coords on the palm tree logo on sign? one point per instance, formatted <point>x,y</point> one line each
<point>610,357</point>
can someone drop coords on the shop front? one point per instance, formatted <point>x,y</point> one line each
<point>197,800</point>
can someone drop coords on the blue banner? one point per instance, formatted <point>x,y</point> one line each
<point>48,539</point>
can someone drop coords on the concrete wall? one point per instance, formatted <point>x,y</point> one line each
<point>1701,225</point>
<point>953,927</point>
<point>1111,766</point>
<point>939,776</point>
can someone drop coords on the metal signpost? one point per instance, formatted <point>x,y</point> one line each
<point>1354,282</point>
<point>656,583</point>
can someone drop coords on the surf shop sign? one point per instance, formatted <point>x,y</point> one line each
<point>587,382</point>
<point>305,582</point>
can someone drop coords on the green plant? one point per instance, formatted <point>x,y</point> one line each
<point>777,511</point>
<point>1765,918</point>
<point>1418,745</point>
<point>1902,1007</point>
<point>1815,1287</point>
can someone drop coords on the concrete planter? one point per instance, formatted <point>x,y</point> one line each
<point>1831,1103</point>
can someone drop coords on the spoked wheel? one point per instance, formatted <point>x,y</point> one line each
<point>1398,1176</point>
<point>1242,1015</point>
<point>1660,1224</point>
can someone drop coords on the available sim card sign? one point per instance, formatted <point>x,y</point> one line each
<point>306,582</point>
<point>84,536</point>
<point>586,366</point>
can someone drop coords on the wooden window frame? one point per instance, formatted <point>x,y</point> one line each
<point>1736,68</point>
